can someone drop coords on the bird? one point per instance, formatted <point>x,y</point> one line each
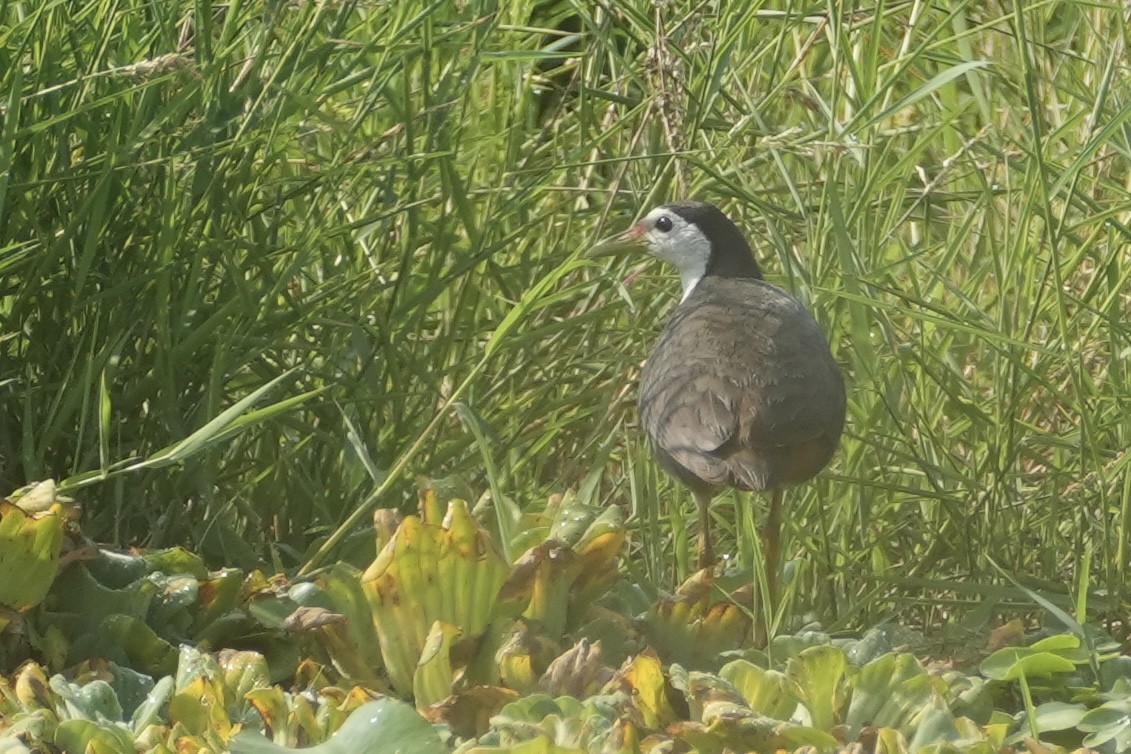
<point>741,389</point>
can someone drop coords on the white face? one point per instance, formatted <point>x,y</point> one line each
<point>678,242</point>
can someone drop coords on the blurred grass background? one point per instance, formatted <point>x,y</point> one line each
<point>383,202</point>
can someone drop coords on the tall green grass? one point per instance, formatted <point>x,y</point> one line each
<point>383,203</point>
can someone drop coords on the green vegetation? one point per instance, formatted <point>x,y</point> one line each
<point>263,264</point>
<point>551,653</point>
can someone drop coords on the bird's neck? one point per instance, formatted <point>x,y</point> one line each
<point>738,262</point>
<point>689,278</point>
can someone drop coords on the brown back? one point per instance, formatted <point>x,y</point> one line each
<point>741,389</point>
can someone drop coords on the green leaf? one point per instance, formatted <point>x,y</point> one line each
<point>1059,643</point>
<point>227,423</point>
<point>1053,716</point>
<point>434,674</point>
<point>426,573</point>
<point>385,726</point>
<point>938,81</point>
<point>817,673</point>
<point>82,736</point>
<point>768,692</point>
<point>29,555</point>
<point>1009,663</point>
<point>891,692</point>
<point>1107,722</point>
<point>937,726</point>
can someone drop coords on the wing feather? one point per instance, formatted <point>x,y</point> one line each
<point>740,382</point>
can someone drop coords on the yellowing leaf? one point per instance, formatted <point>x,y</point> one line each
<point>643,678</point>
<point>817,674</point>
<point>426,573</point>
<point>29,554</point>
<point>434,674</point>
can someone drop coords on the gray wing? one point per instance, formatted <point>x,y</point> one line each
<point>741,390</point>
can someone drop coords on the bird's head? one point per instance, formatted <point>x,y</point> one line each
<point>695,237</point>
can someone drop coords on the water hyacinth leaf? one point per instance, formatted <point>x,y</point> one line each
<point>194,663</point>
<point>33,690</point>
<point>26,726</point>
<point>131,689</point>
<point>735,729</point>
<point>428,573</point>
<point>303,719</point>
<point>271,704</point>
<point>728,721</point>
<point>995,734</point>
<point>131,640</point>
<point>94,701</point>
<point>1009,663</point>
<point>54,646</point>
<point>875,643</point>
<point>434,674</point>
<point>218,595</point>
<point>1057,643</point>
<point>468,713</point>
<point>619,635</point>
<point>768,692</point>
<point>82,602</point>
<point>199,707</point>
<point>579,672</point>
<point>482,668</point>
<point>29,554</point>
<point>79,735</point>
<point>176,560</point>
<point>174,606</point>
<point>727,623</point>
<point>603,531</point>
<point>572,519</point>
<point>383,726</point>
<point>817,673</point>
<point>1053,716</point>
<point>787,646</point>
<point>802,737</point>
<point>243,671</point>
<point>691,736</point>
<point>556,567</point>
<point>361,654</point>
<point>471,570</point>
<point>890,741</point>
<point>528,709</point>
<point>598,548</point>
<point>890,692</point>
<point>148,712</point>
<point>1115,675</point>
<point>516,665</point>
<point>523,656</point>
<point>543,744</point>
<point>936,725</point>
<point>1068,646</point>
<point>564,723</point>
<point>970,696</point>
<point>642,678</point>
<point>691,629</point>
<point>1110,721</point>
<point>515,596</point>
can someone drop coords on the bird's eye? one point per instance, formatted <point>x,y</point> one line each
<point>663,223</point>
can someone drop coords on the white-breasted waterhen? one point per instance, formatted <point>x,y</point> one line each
<point>741,389</point>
